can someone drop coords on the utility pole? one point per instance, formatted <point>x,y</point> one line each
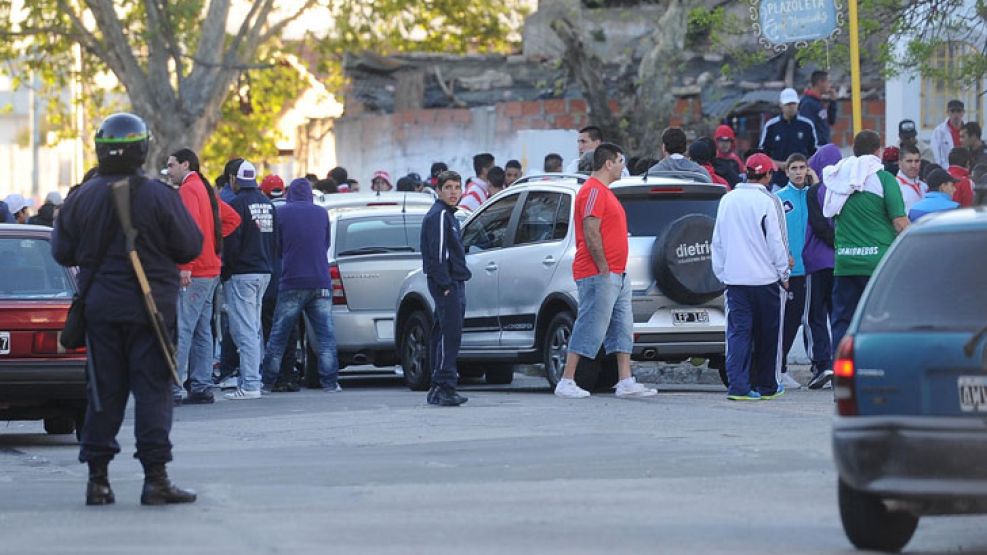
<point>35,124</point>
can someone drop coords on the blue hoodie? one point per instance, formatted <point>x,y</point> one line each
<point>795,203</point>
<point>304,230</point>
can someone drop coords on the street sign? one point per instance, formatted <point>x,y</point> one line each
<point>780,23</point>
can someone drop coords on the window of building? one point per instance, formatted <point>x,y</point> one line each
<point>936,92</point>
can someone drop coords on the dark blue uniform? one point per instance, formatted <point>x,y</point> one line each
<point>821,112</point>
<point>123,348</point>
<point>444,262</point>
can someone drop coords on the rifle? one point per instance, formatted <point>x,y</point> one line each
<point>121,199</point>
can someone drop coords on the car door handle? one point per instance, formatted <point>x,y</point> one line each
<point>548,260</point>
<point>491,267</point>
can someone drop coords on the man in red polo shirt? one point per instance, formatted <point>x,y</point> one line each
<point>199,278</point>
<point>604,316</point>
<point>959,167</point>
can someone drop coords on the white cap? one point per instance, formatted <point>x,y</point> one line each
<point>789,96</point>
<point>247,174</point>
<point>16,203</point>
<point>54,197</point>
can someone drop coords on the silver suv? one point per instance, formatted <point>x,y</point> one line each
<point>521,301</point>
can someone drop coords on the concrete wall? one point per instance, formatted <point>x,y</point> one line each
<point>411,140</point>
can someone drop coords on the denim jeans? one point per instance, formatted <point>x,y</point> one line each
<point>317,306</point>
<point>195,346</point>
<point>604,316</point>
<point>244,293</point>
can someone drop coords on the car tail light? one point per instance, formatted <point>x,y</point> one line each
<point>338,293</point>
<point>844,374</point>
<point>666,189</point>
<point>46,343</point>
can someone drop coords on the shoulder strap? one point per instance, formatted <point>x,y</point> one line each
<point>100,256</point>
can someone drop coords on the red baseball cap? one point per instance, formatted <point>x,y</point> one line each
<point>760,164</point>
<point>724,132</point>
<point>270,184</point>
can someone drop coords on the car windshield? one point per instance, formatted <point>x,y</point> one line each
<point>907,296</point>
<point>377,234</point>
<point>647,216</point>
<point>29,271</point>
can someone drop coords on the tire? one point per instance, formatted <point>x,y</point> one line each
<point>555,344</point>
<point>59,425</point>
<point>311,379</point>
<point>868,524</point>
<point>686,276</point>
<point>719,364</point>
<point>79,421</point>
<point>499,374</point>
<point>415,346</point>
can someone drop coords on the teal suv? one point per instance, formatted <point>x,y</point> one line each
<point>910,436</point>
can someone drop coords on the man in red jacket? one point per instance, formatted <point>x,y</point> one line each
<point>216,220</point>
<point>959,167</point>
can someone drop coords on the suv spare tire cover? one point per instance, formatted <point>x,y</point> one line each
<point>682,261</point>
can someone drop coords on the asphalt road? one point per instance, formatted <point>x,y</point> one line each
<point>375,470</point>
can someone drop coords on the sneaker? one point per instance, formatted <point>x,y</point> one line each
<point>200,398</point>
<point>778,393</point>
<point>820,379</point>
<point>229,382</point>
<point>445,397</point>
<point>630,388</point>
<point>332,389</point>
<point>789,382</point>
<point>242,395</point>
<point>265,389</point>
<point>749,396</point>
<point>567,389</point>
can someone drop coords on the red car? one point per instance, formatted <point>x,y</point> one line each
<point>39,380</point>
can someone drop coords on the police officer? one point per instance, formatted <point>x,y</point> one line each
<point>124,354</point>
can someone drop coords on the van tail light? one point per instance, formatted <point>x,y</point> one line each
<point>666,190</point>
<point>338,293</point>
<point>844,377</point>
<point>46,343</point>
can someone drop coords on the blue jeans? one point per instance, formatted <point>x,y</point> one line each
<point>195,346</point>
<point>244,293</point>
<point>317,304</point>
<point>604,316</point>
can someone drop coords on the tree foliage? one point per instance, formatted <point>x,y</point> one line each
<point>183,64</point>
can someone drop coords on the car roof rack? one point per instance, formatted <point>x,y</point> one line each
<point>678,174</point>
<point>549,176</point>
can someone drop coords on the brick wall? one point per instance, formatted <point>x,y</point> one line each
<point>873,118</point>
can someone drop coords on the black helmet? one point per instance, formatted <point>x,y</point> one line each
<point>122,142</point>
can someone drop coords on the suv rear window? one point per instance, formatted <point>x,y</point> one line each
<point>906,296</point>
<point>30,272</point>
<point>647,216</point>
<point>376,234</point>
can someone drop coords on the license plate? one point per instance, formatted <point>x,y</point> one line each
<point>973,393</point>
<point>689,317</point>
<point>4,342</point>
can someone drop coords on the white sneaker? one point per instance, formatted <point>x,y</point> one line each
<point>242,395</point>
<point>229,382</point>
<point>567,389</point>
<point>789,382</point>
<point>630,388</point>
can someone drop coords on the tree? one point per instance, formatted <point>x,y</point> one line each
<point>181,69</point>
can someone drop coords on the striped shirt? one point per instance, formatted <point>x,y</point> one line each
<point>477,193</point>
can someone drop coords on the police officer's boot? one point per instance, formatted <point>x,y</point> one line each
<point>158,489</point>
<point>98,491</point>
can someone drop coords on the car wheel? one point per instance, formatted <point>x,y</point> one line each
<point>312,380</point>
<point>870,525</point>
<point>556,345</point>
<point>415,346</point>
<point>719,364</point>
<point>499,374</point>
<point>59,425</point>
<point>79,420</point>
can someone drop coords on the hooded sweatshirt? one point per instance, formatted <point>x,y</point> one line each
<point>819,234</point>
<point>195,197</point>
<point>250,248</point>
<point>679,163</point>
<point>304,238</point>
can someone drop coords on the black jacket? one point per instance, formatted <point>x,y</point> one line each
<point>251,249</point>
<point>443,255</point>
<point>167,236</point>
<point>45,216</point>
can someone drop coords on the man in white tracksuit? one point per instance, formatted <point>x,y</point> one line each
<point>750,255</point>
